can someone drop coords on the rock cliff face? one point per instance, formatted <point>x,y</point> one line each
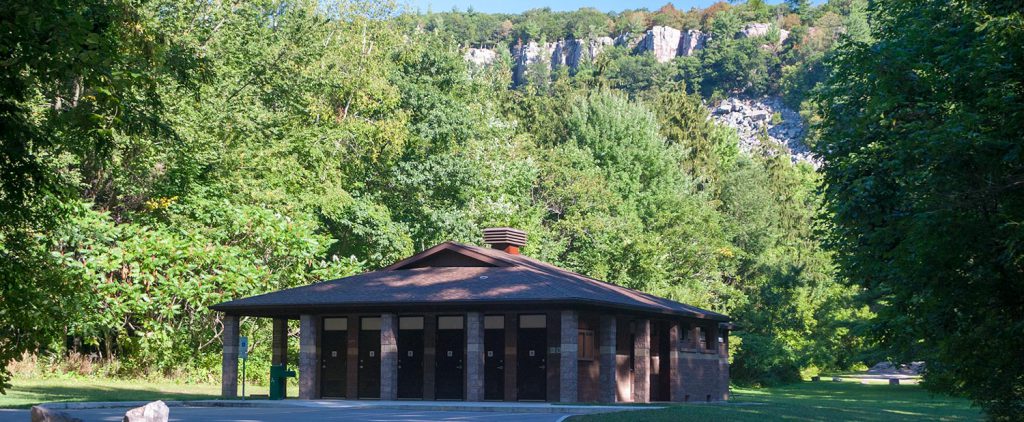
<point>754,30</point>
<point>667,43</point>
<point>572,52</point>
<point>664,42</point>
<point>569,52</point>
<point>753,117</point>
<point>480,56</point>
<point>527,54</point>
<point>692,41</point>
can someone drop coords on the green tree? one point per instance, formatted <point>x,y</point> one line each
<point>923,168</point>
<point>76,78</point>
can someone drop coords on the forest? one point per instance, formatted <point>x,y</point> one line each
<point>162,156</point>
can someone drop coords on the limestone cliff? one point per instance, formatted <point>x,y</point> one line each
<point>663,42</point>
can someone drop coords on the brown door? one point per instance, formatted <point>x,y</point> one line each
<point>494,363</point>
<point>334,357</point>
<point>369,358</point>
<point>531,362</point>
<point>410,358</point>
<point>451,349</point>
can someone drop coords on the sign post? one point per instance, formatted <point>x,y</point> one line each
<point>243,352</point>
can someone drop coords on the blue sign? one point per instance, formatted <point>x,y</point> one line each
<point>243,347</point>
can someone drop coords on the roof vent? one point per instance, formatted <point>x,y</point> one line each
<point>506,239</point>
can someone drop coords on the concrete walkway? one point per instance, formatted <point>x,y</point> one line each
<point>361,410</point>
<point>461,406</point>
<point>288,414</point>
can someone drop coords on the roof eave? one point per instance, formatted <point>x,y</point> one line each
<point>294,309</point>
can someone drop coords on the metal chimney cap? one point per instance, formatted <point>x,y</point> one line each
<point>504,236</point>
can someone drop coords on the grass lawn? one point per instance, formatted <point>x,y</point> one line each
<point>27,392</point>
<point>808,401</point>
<point>813,401</point>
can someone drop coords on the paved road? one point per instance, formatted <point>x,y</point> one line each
<point>221,414</point>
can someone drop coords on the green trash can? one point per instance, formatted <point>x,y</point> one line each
<point>279,375</point>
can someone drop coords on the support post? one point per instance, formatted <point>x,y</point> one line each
<point>352,348</point>
<point>309,357</point>
<point>388,357</point>
<point>279,347</point>
<point>642,361</point>
<point>229,359</point>
<point>606,338</point>
<point>675,376</point>
<point>511,355</point>
<point>429,355</point>
<point>568,386</point>
<point>474,356</point>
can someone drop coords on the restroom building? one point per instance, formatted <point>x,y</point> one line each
<point>462,322</point>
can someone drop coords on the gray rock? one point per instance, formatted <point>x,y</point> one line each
<point>750,117</point>
<point>692,41</point>
<point>753,30</point>
<point>569,52</point>
<point>480,56</point>
<point>882,368</point>
<point>628,40</point>
<point>42,414</point>
<point>527,54</point>
<point>663,41</point>
<point>152,412</point>
<point>597,45</point>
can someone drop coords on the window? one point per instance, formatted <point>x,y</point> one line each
<point>335,324</point>
<point>587,345</point>
<point>707,340</point>
<point>410,323</point>
<point>449,323</point>
<point>533,321</point>
<point>369,323</point>
<point>684,336</point>
<point>494,322</point>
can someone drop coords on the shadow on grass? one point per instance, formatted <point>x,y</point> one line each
<point>817,401</point>
<point>25,394</point>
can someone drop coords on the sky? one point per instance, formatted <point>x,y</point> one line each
<point>498,6</point>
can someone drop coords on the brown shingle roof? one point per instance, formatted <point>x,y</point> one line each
<point>501,278</point>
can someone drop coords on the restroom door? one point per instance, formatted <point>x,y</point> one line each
<point>531,366</point>
<point>451,343</point>
<point>369,358</point>
<point>494,357</point>
<point>334,357</point>
<point>410,358</point>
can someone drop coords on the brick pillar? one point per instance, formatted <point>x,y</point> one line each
<point>606,341</point>
<point>279,346</point>
<point>675,374</point>
<point>474,356</point>
<point>352,362</point>
<point>309,357</point>
<point>429,355</point>
<point>642,361</point>
<point>554,359</point>
<point>723,364</point>
<point>388,357</point>
<point>568,385</point>
<point>511,355</point>
<point>229,360</point>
